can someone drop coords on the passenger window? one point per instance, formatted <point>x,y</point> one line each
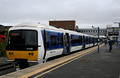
<point>61,40</point>
<point>47,40</point>
<point>58,40</point>
<point>53,40</point>
<point>86,39</point>
<point>73,39</point>
<point>80,37</point>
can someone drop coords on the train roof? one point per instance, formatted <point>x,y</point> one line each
<point>35,24</point>
<point>38,25</point>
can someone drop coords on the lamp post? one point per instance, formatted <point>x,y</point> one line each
<point>98,37</point>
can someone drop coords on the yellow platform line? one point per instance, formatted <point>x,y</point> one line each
<point>61,65</point>
<point>50,66</point>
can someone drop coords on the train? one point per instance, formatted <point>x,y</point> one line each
<point>35,43</point>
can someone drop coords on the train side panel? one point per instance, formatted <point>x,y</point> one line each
<point>53,43</point>
<point>41,49</point>
<point>76,42</point>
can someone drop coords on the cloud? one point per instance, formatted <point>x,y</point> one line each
<point>86,12</point>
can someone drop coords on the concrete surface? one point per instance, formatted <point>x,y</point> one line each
<point>94,65</point>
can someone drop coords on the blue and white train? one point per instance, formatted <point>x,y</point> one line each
<point>35,43</point>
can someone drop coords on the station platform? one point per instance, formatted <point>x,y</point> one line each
<point>83,64</point>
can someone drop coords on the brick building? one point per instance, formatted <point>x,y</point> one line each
<point>68,24</point>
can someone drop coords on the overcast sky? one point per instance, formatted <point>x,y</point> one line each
<point>85,12</point>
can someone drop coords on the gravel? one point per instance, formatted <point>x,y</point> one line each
<point>3,60</point>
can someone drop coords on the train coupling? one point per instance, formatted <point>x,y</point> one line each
<point>21,64</point>
<point>17,68</point>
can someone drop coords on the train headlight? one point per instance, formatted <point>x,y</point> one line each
<point>10,53</point>
<point>31,54</point>
<point>28,53</point>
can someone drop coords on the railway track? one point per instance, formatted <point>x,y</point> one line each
<point>6,68</point>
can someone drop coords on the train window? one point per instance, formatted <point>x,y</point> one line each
<point>23,37</point>
<point>73,39</point>
<point>87,41</point>
<point>90,39</point>
<point>83,39</point>
<point>96,40</point>
<point>53,40</point>
<point>76,40</point>
<point>61,40</point>
<point>80,39</point>
<point>57,40</point>
<point>47,40</point>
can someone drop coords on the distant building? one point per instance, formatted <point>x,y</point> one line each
<point>93,31</point>
<point>66,24</point>
<point>113,32</point>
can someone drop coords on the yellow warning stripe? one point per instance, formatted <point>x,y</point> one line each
<point>61,65</point>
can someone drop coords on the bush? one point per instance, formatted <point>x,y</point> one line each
<point>3,45</point>
<point>2,49</point>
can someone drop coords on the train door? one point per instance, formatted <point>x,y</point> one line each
<point>93,39</point>
<point>83,40</point>
<point>66,43</point>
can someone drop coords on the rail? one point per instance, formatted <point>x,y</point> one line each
<point>6,68</point>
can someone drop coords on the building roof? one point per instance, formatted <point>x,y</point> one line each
<point>1,26</point>
<point>63,20</point>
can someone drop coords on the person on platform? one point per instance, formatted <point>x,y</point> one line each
<point>105,41</point>
<point>110,45</point>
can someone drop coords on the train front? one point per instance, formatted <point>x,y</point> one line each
<point>22,47</point>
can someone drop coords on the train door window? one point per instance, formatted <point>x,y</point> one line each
<point>96,40</point>
<point>83,39</point>
<point>53,40</point>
